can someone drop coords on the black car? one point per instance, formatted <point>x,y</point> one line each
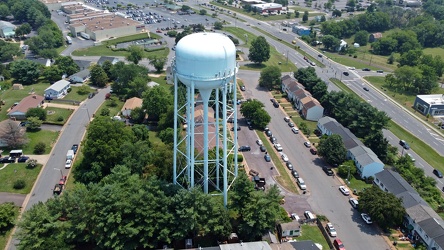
<point>242,88</point>
<point>263,148</point>
<point>404,144</point>
<point>366,89</point>
<point>289,165</point>
<point>345,73</point>
<point>91,95</point>
<point>244,148</point>
<point>366,69</point>
<point>273,139</point>
<point>7,160</point>
<point>74,148</point>
<point>23,159</point>
<point>268,133</point>
<point>250,127</point>
<point>328,171</point>
<point>295,174</point>
<point>238,128</point>
<point>437,173</point>
<point>276,105</point>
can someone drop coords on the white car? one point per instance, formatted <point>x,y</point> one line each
<point>331,230</point>
<point>278,147</point>
<point>307,144</point>
<point>259,142</point>
<point>411,157</point>
<point>68,163</point>
<point>351,68</point>
<point>366,218</point>
<point>295,130</point>
<point>284,157</point>
<point>344,190</point>
<point>286,119</point>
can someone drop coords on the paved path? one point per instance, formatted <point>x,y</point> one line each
<point>17,199</point>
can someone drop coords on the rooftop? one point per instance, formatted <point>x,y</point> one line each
<point>432,99</point>
<point>132,103</point>
<point>103,22</point>
<point>31,101</point>
<point>58,86</point>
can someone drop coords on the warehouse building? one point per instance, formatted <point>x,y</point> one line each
<point>430,104</point>
<point>57,4</point>
<point>267,7</point>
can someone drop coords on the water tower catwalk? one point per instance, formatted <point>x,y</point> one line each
<point>205,153</point>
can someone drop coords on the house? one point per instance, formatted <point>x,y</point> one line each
<point>5,128</point>
<point>289,229</point>
<point>58,90</point>
<point>301,30</point>
<point>430,104</point>
<point>80,77</point>
<point>375,36</point>
<point>42,61</point>
<point>83,64</point>
<point>421,221</point>
<point>18,112</point>
<point>366,161</point>
<point>7,29</point>
<point>311,109</point>
<point>103,59</point>
<point>289,85</point>
<point>130,105</point>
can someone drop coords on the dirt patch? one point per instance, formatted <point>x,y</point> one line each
<point>42,159</point>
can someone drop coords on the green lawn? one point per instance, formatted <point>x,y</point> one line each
<point>434,51</point>
<point>45,136</point>
<point>57,115</point>
<point>313,233</point>
<point>4,238</point>
<point>18,171</point>
<point>114,110</point>
<point>75,96</point>
<point>276,58</point>
<point>357,184</point>
<point>351,62</point>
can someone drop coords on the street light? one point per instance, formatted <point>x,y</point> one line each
<point>61,173</point>
<point>348,174</point>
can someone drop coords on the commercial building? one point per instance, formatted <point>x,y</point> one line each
<point>301,30</point>
<point>7,29</point>
<point>267,7</point>
<point>57,4</point>
<point>430,104</point>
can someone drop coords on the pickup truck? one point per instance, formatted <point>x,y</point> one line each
<point>58,188</point>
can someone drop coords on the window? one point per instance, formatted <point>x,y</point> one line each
<point>377,180</point>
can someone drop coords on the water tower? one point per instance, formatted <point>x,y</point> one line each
<point>205,153</point>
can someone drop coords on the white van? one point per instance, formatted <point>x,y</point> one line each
<point>301,184</point>
<point>70,155</point>
<point>309,215</point>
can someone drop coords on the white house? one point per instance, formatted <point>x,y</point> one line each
<point>58,90</point>
<point>311,109</point>
<point>80,77</point>
<point>289,229</point>
<point>366,161</point>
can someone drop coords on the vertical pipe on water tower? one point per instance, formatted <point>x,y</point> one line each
<point>175,134</point>
<point>217,139</point>
<point>205,94</point>
<point>191,155</point>
<point>224,143</point>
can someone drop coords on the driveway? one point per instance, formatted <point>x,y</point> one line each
<point>17,199</point>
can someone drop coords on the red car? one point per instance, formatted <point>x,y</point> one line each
<point>158,31</point>
<point>338,244</point>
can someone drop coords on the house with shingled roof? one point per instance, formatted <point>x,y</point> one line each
<point>18,112</point>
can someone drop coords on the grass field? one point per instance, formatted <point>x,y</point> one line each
<point>75,96</point>
<point>18,171</point>
<point>434,51</point>
<point>313,233</point>
<point>4,238</point>
<point>276,58</point>
<point>55,113</point>
<point>108,104</point>
<point>45,136</point>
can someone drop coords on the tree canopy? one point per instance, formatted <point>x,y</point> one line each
<point>270,77</point>
<point>259,50</point>
<point>332,149</point>
<point>254,111</point>
<point>98,76</point>
<point>25,71</point>
<point>135,54</point>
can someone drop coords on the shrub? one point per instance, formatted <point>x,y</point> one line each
<point>69,90</point>
<point>32,163</point>
<point>105,112</point>
<point>240,158</point>
<point>355,56</point>
<point>19,184</point>
<point>60,118</point>
<point>40,148</point>
<point>84,90</point>
<point>112,103</point>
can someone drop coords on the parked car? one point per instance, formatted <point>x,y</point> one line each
<point>74,148</point>
<point>253,172</point>
<point>278,147</point>
<point>23,158</point>
<point>259,142</point>
<point>68,163</point>
<point>286,119</point>
<point>295,130</point>
<point>337,243</point>
<point>273,139</point>
<point>7,159</point>
<point>263,148</point>
<point>345,73</point>
<point>366,218</point>
<point>331,230</point>
<point>269,133</point>
<point>291,124</point>
<point>267,158</point>
<point>289,165</point>
<point>284,157</point>
<point>404,144</point>
<point>307,144</point>
<point>295,173</point>
<point>242,88</point>
<point>344,190</point>
<point>366,69</point>
<point>244,148</point>
<point>309,215</point>
<point>437,173</point>
<point>328,171</point>
<point>313,151</point>
<point>353,202</point>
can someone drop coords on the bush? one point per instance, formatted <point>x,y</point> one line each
<point>112,103</point>
<point>32,163</point>
<point>69,90</point>
<point>355,56</point>
<point>240,158</point>
<point>84,90</point>
<point>105,112</point>
<point>40,148</point>
<point>60,118</point>
<point>19,184</point>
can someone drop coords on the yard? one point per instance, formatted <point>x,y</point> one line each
<point>79,93</point>
<point>45,136</point>
<point>313,233</point>
<point>114,105</point>
<point>57,116</point>
<point>18,171</point>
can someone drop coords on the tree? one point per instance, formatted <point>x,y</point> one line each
<point>8,213</point>
<point>14,136</point>
<point>202,12</point>
<point>336,13</point>
<point>379,144</point>
<point>158,63</point>
<point>4,11</point>
<point>185,8</point>
<point>250,107</point>
<point>8,51</point>
<point>48,53</point>
<point>23,29</point>
<point>156,101</point>
<point>123,74</point>
<point>323,19</point>
<point>33,124</point>
<point>259,50</point>
<point>25,71</point>
<point>361,37</point>
<point>261,118</point>
<point>67,65</point>
<point>384,46</point>
<point>296,14</point>
<point>135,54</point>
<point>40,148</point>
<point>218,25</point>
<point>305,16</point>
<point>167,135</point>
<point>330,42</point>
<point>98,76</point>
<point>270,77</point>
<point>332,149</point>
<point>40,113</point>
<point>52,73</point>
<point>383,207</point>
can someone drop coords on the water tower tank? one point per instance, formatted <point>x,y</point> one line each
<point>205,58</point>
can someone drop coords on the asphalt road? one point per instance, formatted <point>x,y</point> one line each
<point>323,196</point>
